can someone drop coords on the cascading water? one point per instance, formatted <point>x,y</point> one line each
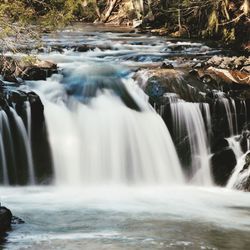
<point>23,136</point>
<point>234,144</point>
<point>5,179</point>
<point>189,123</point>
<point>240,175</point>
<point>98,136</point>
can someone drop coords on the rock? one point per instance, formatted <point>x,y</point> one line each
<point>10,78</point>
<point>215,61</point>
<point>228,62</point>
<point>5,219</point>
<point>18,96</point>
<point>223,163</point>
<point>246,69</point>
<point>84,48</point>
<point>166,65</point>
<point>39,70</point>
<point>16,220</point>
<point>136,23</point>
<point>239,62</point>
<point>14,70</point>
<point>198,65</point>
<point>194,72</point>
<point>230,76</point>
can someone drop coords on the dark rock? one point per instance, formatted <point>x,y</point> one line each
<point>39,70</point>
<point>5,219</point>
<point>207,79</point>
<point>13,70</point>
<point>223,163</point>
<point>198,65</point>
<point>18,97</point>
<point>16,220</point>
<point>35,73</point>
<point>194,72</point>
<point>10,78</point>
<point>167,65</point>
<point>246,69</point>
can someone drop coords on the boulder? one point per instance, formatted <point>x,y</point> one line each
<point>223,162</point>
<point>27,68</point>
<point>230,76</point>
<point>5,219</point>
<point>38,70</point>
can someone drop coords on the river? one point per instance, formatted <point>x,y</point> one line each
<point>119,183</point>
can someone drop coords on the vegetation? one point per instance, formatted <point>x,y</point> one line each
<point>224,20</point>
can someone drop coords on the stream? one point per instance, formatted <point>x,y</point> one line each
<point>118,181</point>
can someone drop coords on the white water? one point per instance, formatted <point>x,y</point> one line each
<point>105,142</point>
<point>237,178</point>
<point>2,152</point>
<point>28,153</point>
<point>188,117</point>
<point>231,112</point>
<point>234,144</point>
<point>28,118</point>
<point>101,217</point>
<point>128,218</point>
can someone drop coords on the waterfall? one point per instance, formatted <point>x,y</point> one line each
<point>229,107</point>
<point>28,118</point>
<point>239,175</point>
<point>101,140</point>
<point>234,144</point>
<point>189,124</point>
<point>25,140</point>
<point>2,153</point>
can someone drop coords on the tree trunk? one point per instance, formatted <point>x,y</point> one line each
<point>106,15</point>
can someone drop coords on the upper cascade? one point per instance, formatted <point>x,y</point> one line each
<point>103,131</point>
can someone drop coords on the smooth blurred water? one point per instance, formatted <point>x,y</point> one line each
<point>128,218</point>
<point>115,216</point>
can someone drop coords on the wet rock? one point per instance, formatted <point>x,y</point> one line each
<point>223,163</point>
<point>198,65</point>
<point>230,76</point>
<point>18,96</point>
<point>31,68</point>
<point>38,70</point>
<point>224,62</point>
<point>5,219</point>
<point>84,48</point>
<point>167,65</point>
<point>246,69</point>
<point>10,78</point>
<point>214,61</point>
<point>16,220</point>
<point>194,72</point>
